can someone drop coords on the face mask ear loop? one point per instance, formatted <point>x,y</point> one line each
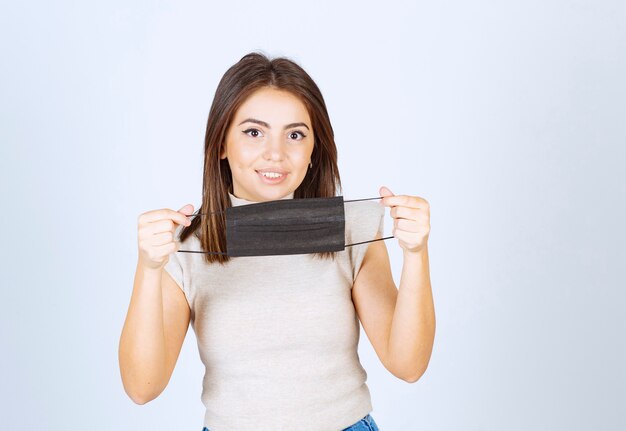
<point>364,242</point>
<point>366,199</point>
<point>203,252</point>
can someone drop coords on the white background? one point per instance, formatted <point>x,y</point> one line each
<point>508,117</point>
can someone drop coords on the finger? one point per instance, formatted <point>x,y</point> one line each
<point>384,192</point>
<point>405,212</point>
<point>407,225</point>
<point>160,226</point>
<point>179,217</point>
<point>162,238</point>
<point>187,209</point>
<point>166,249</point>
<point>406,201</point>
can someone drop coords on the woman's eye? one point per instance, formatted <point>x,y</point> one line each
<point>296,134</point>
<point>252,130</point>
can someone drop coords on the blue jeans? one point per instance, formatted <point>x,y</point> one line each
<point>365,424</point>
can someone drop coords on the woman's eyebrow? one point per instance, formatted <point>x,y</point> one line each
<point>264,124</point>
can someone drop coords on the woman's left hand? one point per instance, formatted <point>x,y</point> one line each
<point>411,219</point>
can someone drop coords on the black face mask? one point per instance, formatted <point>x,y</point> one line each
<point>285,226</point>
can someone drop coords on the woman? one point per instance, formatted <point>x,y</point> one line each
<point>278,334</point>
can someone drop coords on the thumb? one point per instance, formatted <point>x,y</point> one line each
<point>384,191</point>
<point>187,209</point>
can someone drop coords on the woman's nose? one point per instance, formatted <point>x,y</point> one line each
<point>274,149</point>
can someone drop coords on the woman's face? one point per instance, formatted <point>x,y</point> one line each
<point>270,132</point>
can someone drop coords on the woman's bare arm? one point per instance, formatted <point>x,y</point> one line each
<point>153,334</point>
<point>158,315</point>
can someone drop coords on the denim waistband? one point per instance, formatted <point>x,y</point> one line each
<point>367,423</point>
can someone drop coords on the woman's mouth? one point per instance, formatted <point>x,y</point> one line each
<point>271,177</point>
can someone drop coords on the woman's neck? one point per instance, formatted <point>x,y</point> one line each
<point>236,201</point>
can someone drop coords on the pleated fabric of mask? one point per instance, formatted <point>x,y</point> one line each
<point>286,226</point>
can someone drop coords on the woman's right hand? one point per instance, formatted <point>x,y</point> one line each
<point>155,236</point>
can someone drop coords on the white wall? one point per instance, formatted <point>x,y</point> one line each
<point>508,117</point>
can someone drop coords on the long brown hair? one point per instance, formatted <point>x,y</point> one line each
<point>254,71</point>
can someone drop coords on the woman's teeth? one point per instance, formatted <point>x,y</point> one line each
<point>271,174</point>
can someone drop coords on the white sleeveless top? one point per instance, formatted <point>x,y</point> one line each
<point>278,335</point>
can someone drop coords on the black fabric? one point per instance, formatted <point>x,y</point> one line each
<point>285,226</point>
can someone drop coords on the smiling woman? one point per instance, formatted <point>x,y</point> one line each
<point>278,334</point>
